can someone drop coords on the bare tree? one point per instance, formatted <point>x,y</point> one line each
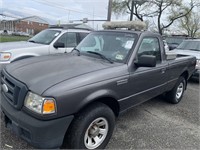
<point>176,9</point>
<point>166,12</point>
<point>131,7</point>
<point>191,24</point>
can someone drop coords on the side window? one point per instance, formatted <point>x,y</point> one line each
<point>69,39</point>
<point>150,46</point>
<point>62,39</point>
<point>82,36</point>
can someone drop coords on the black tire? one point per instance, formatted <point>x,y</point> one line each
<point>78,131</point>
<point>173,96</point>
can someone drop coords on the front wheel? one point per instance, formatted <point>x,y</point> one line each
<point>175,95</point>
<point>91,129</point>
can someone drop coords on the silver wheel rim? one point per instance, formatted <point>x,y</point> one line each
<point>179,91</point>
<point>96,133</point>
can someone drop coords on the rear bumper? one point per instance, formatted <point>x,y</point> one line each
<point>39,133</point>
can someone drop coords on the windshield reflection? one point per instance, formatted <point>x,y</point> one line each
<point>114,46</point>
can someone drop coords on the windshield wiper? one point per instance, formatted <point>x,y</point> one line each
<point>31,41</point>
<point>75,49</point>
<point>102,56</point>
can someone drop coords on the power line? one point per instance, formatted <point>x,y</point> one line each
<point>75,10</point>
<point>60,7</point>
<point>5,15</point>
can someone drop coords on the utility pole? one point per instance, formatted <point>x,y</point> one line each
<point>109,10</point>
<point>132,10</point>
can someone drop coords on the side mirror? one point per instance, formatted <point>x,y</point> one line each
<point>146,61</point>
<point>59,45</point>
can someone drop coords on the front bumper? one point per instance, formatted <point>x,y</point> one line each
<point>195,75</point>
<point>39,133</point>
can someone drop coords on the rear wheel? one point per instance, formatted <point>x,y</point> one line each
<point>92,128</point>
<point>175,95</point>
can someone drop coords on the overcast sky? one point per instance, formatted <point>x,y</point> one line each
<point>55,10</point>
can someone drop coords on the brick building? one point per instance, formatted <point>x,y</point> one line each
<point>30,25</point>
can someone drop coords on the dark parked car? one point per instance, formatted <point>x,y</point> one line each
<point>72,100</point>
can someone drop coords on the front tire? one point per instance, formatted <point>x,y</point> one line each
<point>175,95</point>
<point>92,128</point>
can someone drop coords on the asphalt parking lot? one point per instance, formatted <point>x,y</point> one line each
<point>155,124</point>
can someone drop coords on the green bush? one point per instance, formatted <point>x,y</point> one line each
<point>11,38</point>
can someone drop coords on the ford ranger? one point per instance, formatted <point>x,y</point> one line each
<point>72,100</point>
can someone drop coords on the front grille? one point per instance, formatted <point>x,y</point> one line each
<point>15,91</point>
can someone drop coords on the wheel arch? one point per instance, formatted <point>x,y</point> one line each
<point>109,100</point>
<point>185,75</point>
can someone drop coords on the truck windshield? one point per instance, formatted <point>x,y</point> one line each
<point>190,45</point>
<point>114,46</point>
<point>45,37</point>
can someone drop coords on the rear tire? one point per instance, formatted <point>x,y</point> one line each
<point>92,128</point>
<point>175,95</point>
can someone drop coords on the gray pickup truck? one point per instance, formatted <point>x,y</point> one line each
<point>72,100</point>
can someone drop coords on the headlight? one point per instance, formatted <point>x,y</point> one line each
<point>40,104</point>
<point>198,64</point>
<point>5,56</point>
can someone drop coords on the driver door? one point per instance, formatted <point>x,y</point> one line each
<point>147,82</point>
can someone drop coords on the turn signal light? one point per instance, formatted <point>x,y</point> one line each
<point>49,107</point>
<point>6,56</point>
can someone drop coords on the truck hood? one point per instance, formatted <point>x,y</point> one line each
<point>43,72</point>
<point>188,52</point>
<point>16,45</point>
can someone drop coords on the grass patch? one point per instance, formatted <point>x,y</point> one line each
<point>11,38</point>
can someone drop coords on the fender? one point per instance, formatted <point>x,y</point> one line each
<point>95,96</point>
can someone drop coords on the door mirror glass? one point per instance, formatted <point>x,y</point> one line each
<point>59,45</point>
<point>146,61</point>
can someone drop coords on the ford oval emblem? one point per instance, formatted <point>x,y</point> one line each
<point>5,88</point>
